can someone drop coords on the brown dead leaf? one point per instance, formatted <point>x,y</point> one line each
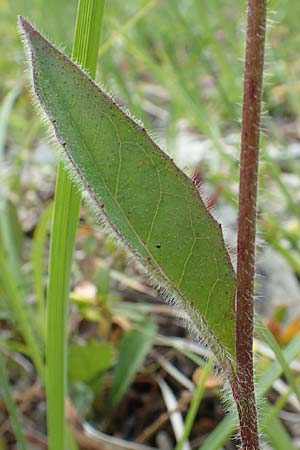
<point>122,322</point>
<point>274,326</point>
<point>85,231</point>
<point>290,331</point>
<point>213,381</point>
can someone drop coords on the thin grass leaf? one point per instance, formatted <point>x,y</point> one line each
<point>276,433</point>
<point>71,443</point>
<point>8,241</point>
<point>5,111</point>
<point>281,387</point>
<point>274,410</point>
<point>15,298</point>
<point>37,257</point>
<point>273,344</point>
<point>133,350</point>
<point>127,26</point>
<point>221,434</point>
<point>194,406</point>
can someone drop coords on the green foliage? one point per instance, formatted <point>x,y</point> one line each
<point>133,350</point>
<point>273,344</point>
<point>228,425</point>
<point>86,362</point>
<point>194,406</point>
<point>64,226</point>
<point>151,205</point>
<point>11,245</point>
<point>40,236</point>
<point>275,431</point>
<point>11,406</point>
<point>181,75</point>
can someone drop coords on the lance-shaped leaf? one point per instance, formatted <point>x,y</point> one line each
<point>151,205</point>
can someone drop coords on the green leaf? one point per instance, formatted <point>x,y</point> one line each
<point>277,435</point>
<point>37,257</point>
<point>133,350</point>
<point>86,362</point>
<point>153,207</point>
<point>273,344</point>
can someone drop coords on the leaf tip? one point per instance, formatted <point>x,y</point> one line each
<point>24,25</point>
<point>27,30</point>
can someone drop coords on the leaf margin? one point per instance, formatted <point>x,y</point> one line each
<point>158,278</point>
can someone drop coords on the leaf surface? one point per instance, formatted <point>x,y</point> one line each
<point>151,205</point>
<point>133,350</point>
<point>87,362</point>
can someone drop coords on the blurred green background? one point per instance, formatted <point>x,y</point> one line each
<point>177,66</point>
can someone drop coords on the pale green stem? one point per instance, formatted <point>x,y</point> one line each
<point>65,220</point>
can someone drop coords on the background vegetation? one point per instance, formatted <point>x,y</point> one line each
<point>178,67</point>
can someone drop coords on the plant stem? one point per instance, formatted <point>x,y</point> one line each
<point>253,77</point>
<point>65,221</point>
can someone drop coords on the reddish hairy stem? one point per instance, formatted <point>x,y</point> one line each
<point>253,78</point>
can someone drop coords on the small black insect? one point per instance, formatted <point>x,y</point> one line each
<point>157,245</point>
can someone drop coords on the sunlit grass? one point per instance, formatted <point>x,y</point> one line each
<point>67,203</point>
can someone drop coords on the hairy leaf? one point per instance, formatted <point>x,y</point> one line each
<point>152,206</point>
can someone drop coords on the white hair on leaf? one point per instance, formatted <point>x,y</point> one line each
<point>196,324</point>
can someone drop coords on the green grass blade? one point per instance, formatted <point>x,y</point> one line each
<point>15,298</point>
<point>37,257</point>
<point>61,253</point>
<point>151,206</point>
<point>276,408</point>
<point>11,406</point>
<point>133,350</point>
<point>71,443</point>
<point>87,34</point>
<point>8,239</point>
<point>127,26</point>
<point>5,111</point>
<point>221,434</point>
<point>273,344</point>
<point>193,409</point>
<point>65,220</point>
<point>275,432</point>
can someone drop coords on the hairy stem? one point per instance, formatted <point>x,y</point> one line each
<point>253,78</point>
